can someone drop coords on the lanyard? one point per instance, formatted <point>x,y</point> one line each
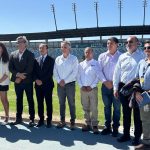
<point>145,69</point>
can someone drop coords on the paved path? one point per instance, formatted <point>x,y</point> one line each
<point>20,137</point>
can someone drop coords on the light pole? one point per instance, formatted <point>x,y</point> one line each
<point>144,6</point>
<point>53,11</point>
<point>75,15</point>
<point>120,15</point>
<point>96,9</point>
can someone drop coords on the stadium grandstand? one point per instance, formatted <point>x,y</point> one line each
<point>78,46</point>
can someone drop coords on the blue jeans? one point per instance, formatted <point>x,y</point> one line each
<point>109,100</point>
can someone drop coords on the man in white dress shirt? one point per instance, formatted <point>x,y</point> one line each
<point>65,73</point>
<point>88,80</point>
<point>124,72</point>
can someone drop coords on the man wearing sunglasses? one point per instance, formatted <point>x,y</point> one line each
<point>125,72</point>
<point>143,72</point>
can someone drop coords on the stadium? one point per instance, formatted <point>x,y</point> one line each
<point>97,39</point>
<point>80,38</point>
<point>78,46</point>
<point>97,34</point>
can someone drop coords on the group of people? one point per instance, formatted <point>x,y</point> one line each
<point>113,69</point>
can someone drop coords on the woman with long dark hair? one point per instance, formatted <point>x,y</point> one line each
<point>4,79</point>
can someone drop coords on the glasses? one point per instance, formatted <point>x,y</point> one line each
<point>19,42</point>
<point>129,42</point>
<point>148,47</point>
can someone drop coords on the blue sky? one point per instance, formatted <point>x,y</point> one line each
<point>24,16</point>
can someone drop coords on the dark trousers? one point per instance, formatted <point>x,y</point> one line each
<point>19,89</point>
<point>41,93</point>
<point>127,117</point>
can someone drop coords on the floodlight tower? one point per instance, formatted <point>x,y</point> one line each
<point>74,8</point>
<point>53,11</point>
<point>96,9</point>
<point>120,6</point>
<point>144,6</point>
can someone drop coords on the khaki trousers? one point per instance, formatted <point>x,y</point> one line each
<point>89,102</point>
<point>145,117</point>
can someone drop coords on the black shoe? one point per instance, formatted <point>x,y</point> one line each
<point>40,123</point>
<point>61,124</point>
<point>115,133</point>
<point>31,123</point>
<point>72,126</point>
<point>135,141</point>
<point>18,121</point>
<point>95,130</point>
<point>142,147</point>
<point>123,138</point>
<point>106,131</point>
<point>86,128</point>
<point>48,124</point>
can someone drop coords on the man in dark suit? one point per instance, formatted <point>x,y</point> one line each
<point>43,75</point>
<point>21,66</point>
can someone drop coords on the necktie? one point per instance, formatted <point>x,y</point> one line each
<point>41,62</point>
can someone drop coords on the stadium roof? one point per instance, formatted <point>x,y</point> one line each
<point>85,32</point>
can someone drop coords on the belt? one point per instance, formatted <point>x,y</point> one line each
<point>70,82</point>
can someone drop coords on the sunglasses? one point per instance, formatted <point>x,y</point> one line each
<point>129,42</point>
<point>148,47</point>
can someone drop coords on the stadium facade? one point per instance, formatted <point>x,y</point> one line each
<point>78,46</point>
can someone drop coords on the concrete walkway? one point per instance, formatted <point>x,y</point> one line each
<point>21,137</point>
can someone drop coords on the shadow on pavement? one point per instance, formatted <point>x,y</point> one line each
<point>64,136</point>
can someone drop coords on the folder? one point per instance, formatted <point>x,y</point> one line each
<point>146,99</point>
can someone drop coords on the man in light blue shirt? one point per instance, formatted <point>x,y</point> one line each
<point>107,62</point>
<point>143,73</point>
<point>125,72</point>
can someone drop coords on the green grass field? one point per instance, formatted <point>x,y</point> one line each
<point>79,111</point>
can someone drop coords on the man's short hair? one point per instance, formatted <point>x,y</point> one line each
<point>114,39</point>
<point>43,44</point>
<point>88,48</point>
<point>66,42</point>
<point>22,38</point>
<point>147,42</point>
<point>134,37</point>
